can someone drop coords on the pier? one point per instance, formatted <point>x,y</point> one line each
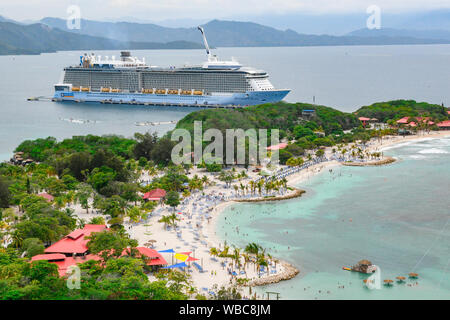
<point>203,106</point>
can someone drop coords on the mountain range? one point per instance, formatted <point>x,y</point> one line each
<point>39,38</point>
<point>52,34</point>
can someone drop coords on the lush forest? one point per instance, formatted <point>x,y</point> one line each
<point>394,110</point>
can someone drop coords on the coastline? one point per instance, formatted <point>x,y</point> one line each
<point>295,179</point>
<point>199,222</point>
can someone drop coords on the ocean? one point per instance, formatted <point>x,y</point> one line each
<point>397,216</point>
<point>344,77</point>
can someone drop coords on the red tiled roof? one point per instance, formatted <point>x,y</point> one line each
<point>63,262</point>
<point>403,120</point>
<point>155,258</point>
<point>278,146</point>
<point>75,242</point>
<point>46,196</point>
<point>48,257</point>
<point>155,194</point>
<point>445,123</point>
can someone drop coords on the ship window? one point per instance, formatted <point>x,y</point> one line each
<point>61,88</point>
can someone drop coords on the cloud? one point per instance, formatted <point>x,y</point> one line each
<point>203,9</point>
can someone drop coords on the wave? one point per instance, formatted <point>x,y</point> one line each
<point>433,151</point>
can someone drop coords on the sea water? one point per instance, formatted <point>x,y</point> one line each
<point>396,216</point>
<point>344,77</point>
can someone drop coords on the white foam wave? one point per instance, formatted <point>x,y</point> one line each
<point>433,151</point>
<point>417,157</point>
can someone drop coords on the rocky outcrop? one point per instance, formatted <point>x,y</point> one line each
<point>385,160</point>
<point>295,194</point>
<point>289,272</point>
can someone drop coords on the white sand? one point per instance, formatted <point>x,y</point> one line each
<point>192,222</point>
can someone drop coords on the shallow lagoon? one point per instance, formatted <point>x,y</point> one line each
<point>397,216</point>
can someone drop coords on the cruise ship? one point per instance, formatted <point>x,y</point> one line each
<point>130,80</point>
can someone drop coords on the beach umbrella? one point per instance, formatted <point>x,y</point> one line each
<point>192,259</point>
<point>388,282</point>
<point>167,250</point>
<point>178,265</point>
<point>181,257</point>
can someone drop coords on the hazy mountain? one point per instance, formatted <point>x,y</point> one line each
<point>38,38</point>
<point>420,34</point>
<point>227,34</point>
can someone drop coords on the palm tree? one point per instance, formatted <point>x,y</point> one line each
<point>214,252</point>
<point>236,188</point>
<point>166,220</point>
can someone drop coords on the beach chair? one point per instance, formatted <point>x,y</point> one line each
<point>200,269</point>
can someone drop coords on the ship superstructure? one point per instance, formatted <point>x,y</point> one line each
<point>130,80</point>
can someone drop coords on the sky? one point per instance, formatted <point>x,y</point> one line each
<point>152,10</point>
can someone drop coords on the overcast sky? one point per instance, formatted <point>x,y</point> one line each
<point>153,10</point>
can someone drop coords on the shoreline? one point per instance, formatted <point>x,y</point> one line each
<point>295,179</point>
<point>198,225</point>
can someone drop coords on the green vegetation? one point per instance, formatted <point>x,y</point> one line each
<point>122,278</point>
<point>384,111</point>
<point>102,174</point>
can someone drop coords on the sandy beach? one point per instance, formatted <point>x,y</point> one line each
<point>196,229</point>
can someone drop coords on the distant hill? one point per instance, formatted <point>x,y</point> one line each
<point>227,34</point>
<point>39,38</point>
<point>389,32</point>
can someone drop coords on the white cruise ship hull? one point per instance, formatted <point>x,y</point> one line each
<point>235,99</point>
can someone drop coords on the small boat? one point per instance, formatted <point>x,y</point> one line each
<point>347,268</point>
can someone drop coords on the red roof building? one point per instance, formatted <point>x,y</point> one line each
<point>277,146</point>
<point>154,195</point>
<point>46,196</point>
<point>444,124</point>
<point>405,120</point>
<point>62,262</point>
<point>75,242</point>
<point>154,257</point>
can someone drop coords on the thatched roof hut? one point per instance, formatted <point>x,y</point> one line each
<point>413,275</point>
<point>365,262</point>
<point>400,278</point>
<point>388,282</point>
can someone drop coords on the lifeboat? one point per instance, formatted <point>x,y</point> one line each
<point>186,92</point>
<point>173,92</point>
<point>161,91</point>
<point>75,88</point>
<point>115,90</point>
<point>106,89</point>
<point>85,89</point>
<point>198,93</point>
<point>150,91</point>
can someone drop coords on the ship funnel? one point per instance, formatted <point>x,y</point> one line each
<point>204,41</point>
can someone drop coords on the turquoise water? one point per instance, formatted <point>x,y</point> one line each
<point>397,216</point>
<point>341,77</point>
